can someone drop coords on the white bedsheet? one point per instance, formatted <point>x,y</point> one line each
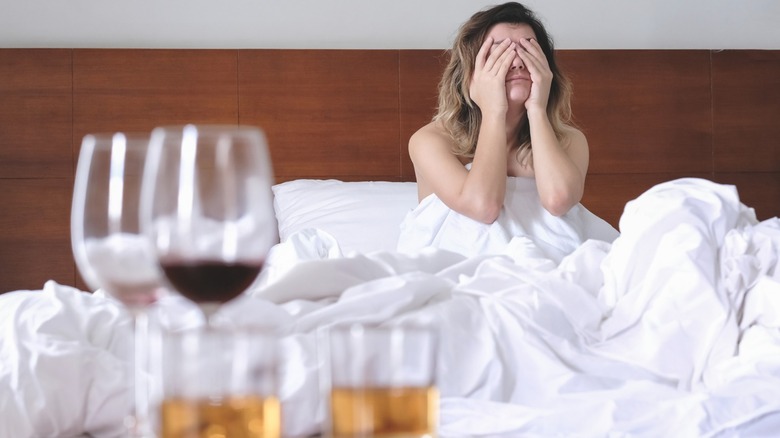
<point>522,220</point>
<point>671,330</point>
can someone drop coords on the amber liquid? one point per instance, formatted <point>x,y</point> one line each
<point>384,412</point>
<point>234,417</point>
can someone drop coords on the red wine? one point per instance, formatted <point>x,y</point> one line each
<point>210,281</point>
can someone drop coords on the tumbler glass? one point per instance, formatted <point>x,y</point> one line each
<point>383,381</point>
<point>219,382</point>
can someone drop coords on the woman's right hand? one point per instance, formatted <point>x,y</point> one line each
<point>488,83</point>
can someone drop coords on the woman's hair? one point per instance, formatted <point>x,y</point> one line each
<point>460,116</point>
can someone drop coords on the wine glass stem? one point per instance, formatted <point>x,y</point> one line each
<point>208,310</point>
<point>141,426</point>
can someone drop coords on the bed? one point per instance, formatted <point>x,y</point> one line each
<point>669,329</point>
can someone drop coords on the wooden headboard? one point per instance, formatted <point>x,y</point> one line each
<point>649,115</point>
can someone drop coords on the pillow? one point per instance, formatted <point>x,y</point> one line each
<point>362,216</point>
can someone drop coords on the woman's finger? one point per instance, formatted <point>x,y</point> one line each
<point>535,61</point>
<point>531,62</point>
<point>483,52</point>
<point>532,47</point>
<point>497,54</point>
<point>505,63</point>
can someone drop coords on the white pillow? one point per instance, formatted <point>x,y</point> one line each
<point>363,216</point>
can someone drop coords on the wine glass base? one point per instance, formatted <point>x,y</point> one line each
<point>136,429</point>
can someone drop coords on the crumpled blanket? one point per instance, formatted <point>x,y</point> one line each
<point>671,330</point>
<point>522,221</point>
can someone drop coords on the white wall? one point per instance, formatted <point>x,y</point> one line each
<point>380,24</point>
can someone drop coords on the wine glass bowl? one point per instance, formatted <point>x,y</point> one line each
<point>108,247</point>
<point>110,252</point>
<point>207,208</point>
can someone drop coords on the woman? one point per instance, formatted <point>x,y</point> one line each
<point>503,104</point>
<point>504,111</point>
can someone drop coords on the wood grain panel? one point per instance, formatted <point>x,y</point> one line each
<point>606,195</point>
<point>326,113</point>
<point>136,90</point>
<point>35,113</point>
<point>420,72</point>
<point>35,244</point>
<point>643,111</point>
<point>758,190</point>
<point>746,110</point>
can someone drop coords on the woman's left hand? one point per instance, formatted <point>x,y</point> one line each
<point>541,75</point>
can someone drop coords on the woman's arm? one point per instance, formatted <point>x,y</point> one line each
<point>479,193</point>
<point>559,169</point>
<point>559,172</point>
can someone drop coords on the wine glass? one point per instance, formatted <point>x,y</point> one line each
<point>207,207</point>
<point>108,247</point>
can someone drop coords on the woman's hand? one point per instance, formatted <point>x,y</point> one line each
<point>541,75</point>
<point>488,83</point>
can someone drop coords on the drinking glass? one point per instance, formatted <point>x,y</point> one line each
<point>207,207</point>
<point>109,249</point>
<point>219,382</point>
<point>383,381</point>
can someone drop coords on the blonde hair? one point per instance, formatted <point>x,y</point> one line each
<point>460,116</point>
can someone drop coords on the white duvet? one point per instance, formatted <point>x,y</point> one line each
<point>673,329</point>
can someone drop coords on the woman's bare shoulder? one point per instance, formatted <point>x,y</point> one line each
<point>574,136</point>
<point>433,130</point>
<point>429,137</point>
